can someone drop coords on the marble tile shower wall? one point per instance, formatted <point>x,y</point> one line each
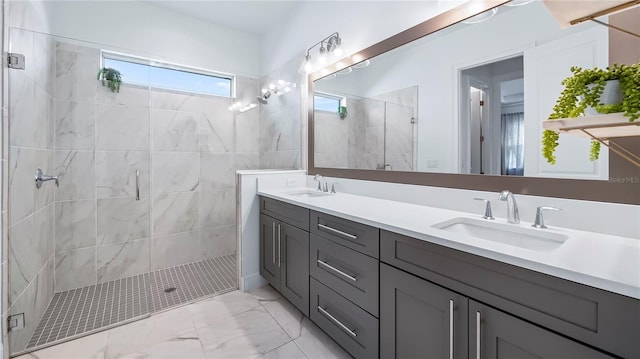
<point>366,133</point>
<point>187,148</point>
<point>31,211</point>
<point>331,145</point>
<point>280,125</point>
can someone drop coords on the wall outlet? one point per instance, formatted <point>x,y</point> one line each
<point>432,164</point>
<point>292,182</point>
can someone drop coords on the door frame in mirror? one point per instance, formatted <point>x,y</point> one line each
<point>625,191</point>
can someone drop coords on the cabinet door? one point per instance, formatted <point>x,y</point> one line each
<point>495,335</point>
<point>294,250</point>
<point>269,251</point>
<point>419,319</point>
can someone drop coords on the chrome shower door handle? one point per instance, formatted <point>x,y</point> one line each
<point>137,185</point>
<point>40,178</point>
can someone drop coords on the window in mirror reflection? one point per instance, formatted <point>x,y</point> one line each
<point>327,102</point>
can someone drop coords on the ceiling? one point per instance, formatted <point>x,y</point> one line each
<point>254,16</point>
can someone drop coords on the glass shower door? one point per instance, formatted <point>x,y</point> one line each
<point>78,249</point>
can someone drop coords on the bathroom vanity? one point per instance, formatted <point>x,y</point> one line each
<point>383,280</point>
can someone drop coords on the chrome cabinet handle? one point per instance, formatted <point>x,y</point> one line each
<point>273,242</point>
<point>337,322</point>
<point>336,231</point>
<point>137,185</point>
<point>451,329</point>
<point>41,178</point>
<point>329,266</point>
<point>279,248</point>
<point>478,336</point>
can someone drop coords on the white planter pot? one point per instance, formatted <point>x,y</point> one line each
<point>611,95</point>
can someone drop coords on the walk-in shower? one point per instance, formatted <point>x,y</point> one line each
<point>143,217</point>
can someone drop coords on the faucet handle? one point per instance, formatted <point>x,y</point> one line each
<point>539,223</point>
<point>487,210</point>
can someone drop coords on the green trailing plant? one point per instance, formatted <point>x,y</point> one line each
<point>583,89</point>
<point>110,78</point>
<point>342,111</point>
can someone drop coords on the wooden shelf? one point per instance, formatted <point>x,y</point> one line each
<point>602,127</point>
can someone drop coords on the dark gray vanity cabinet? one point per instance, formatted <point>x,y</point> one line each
<point>419,319</point>
<point>284,252</point>
<point>344,282</point>
<point>497,335</point>
<point>537,315</point>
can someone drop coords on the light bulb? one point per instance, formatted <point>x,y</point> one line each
<point>308,66</point>
<point>338,52</point>
<point>264,91</point>
<point>322,60</point>
<point>272,86</point>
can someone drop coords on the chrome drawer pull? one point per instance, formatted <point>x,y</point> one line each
<point>338,232</point>
<point>273,242</point>
<point>279,249</point>
<point>451,334</point>
<point>325,264</point>
<point>478,336</point>
<point>336,321</point>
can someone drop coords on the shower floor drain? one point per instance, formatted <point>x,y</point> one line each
<point>170,290</point>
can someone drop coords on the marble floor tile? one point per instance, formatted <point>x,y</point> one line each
<point>286,351</point>
<point>232,325</point>
<point>142,335</point>
<point>210,311</point>
<point>289,318</point>
<point>181,347</point>
<point>245,335</point>
<point>316,344</point>
<point>265,293</point>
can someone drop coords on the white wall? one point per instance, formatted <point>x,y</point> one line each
<point>154,30</point>
<point>360,24</point>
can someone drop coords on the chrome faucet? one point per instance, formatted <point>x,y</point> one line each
<point>322,183</point>
<point>539,223</point>
<point>512,207</point>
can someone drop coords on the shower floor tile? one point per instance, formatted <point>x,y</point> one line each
<point>89,309</point>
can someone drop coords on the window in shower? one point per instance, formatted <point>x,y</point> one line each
<point>140,71</point>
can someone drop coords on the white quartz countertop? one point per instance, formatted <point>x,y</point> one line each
<point>599,260</point>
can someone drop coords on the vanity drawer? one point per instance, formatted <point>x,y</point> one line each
<point>349,325</point>
<point>357,236</point>
<point>350,273</point>
<point>599,318</point>
<point>294,215</point>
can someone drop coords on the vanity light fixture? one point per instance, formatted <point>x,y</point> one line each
<point>331,44</point>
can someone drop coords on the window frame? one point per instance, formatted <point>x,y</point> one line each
<point>119,56</point>
<point>341,100</point>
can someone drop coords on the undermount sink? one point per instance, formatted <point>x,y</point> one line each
<point>511,234</point>
<point>307,193</point>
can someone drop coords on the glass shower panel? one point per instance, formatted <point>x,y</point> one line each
<point>79,251</point>
<point>366,133</point>
<point>399,137</point>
